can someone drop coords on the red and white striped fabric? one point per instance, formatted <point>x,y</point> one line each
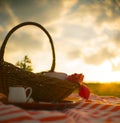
<point>96,110</point>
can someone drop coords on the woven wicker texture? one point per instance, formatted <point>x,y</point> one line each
<point>44,88</point>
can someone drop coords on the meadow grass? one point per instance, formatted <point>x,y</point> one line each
<point>105,89</point>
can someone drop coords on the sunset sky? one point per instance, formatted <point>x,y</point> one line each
<point>86,35</point>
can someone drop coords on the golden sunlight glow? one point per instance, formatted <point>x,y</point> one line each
<point>86,40</point>
<point>104,73</point>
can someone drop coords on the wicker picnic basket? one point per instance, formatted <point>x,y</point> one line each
<point>45,88</point>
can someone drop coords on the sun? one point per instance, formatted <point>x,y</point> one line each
<point>102,73</point>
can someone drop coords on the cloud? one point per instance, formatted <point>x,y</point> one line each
<point>113,36</point>
<point>116,67</point>
<point>100,56</point>
<point>8,17</point>
<point>96,25</point>
<point>1,29</point>
<point>85,30</point>
<point>68,5</point>
<point>116,38</point>
<point>28,38</point>
<point>95,13</point>
<point>43,11</point>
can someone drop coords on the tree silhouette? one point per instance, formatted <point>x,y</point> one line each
<point>25,64</point>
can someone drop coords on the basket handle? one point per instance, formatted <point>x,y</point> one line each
<point>21,25</point>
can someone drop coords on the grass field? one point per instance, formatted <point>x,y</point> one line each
<point>105,89</point>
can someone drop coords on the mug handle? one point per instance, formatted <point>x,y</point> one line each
<point>30,89</point>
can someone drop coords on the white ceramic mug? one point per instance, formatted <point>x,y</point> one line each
<point>18,94</point>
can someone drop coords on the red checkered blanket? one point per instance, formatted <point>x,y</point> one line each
<point>98,109</point>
